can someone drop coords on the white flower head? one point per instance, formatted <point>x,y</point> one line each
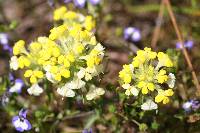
<point>67,89</point>
<point>14,63</point>
<point>130,90</point>
<point>94,92</point>
<point>171,80</point>
<point>66,92</point>
<point>35,90</point>
<point>149,105</point>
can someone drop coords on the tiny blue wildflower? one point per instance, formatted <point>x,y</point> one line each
<point>20,122</point>
<point>87,131</point>
<point>191,105</point>
<point>17,87</point>
<point>79,3</point>
<point>94,2</point>
<point>132,33</point>
<point>4,41</point>
<point>187,44</point>
<point>11,77</point>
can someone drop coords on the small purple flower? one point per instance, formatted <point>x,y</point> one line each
<point>17,87</point>
<point>11,77</point>
<point>94,2</point>
<point>67,1</point>
<point>79,3</point>
<point>191,105</point>
<point>87,131</point>
<point>20,122</point>
<point>132,33</point>
<point>4,39</point>
<point>187,44</point>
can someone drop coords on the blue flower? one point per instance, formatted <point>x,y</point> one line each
<point>4,40</point>
<point>132,34</point>
<point>20,122</point>
<point>79,3</point>
<point>87,131</point>
<point>94,2</point>
<point>191,105</point>
<point>187,44</point>
<point>17,87</point>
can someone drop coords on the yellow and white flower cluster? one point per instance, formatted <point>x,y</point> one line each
<point>147,75</point>
<point>69,58</point>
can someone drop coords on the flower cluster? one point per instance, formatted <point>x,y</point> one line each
<point>71,18</point>
<point>69,58</point>
<point>148,74</point>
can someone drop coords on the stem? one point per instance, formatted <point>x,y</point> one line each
<point>158,25</point>
<point>125,118</point>
<point>180,38</point>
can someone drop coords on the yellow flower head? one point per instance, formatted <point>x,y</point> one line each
<point>58,13</point>
<point>146,75</point>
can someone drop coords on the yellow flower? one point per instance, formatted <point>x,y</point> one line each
<point>126,74</point>
<point>162,77</point>
<point>23,62</point>
<point>163,96</point>
<point>89,23</point>
<point>58,13</point>
<point>57,32</point>
<point>19,47</point>
<point>70,15</point>
<point>164,60</point>
<point>34,75</point>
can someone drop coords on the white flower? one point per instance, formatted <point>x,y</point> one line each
<point>149,105</point>
<point>130,90</point>
<point>14,63</point>
<point>171,80</point>
<point>67,89</point>
<point>94,92</point>
<point>66,92</point>
<point>75,84</point>
<point>50,77</point>
<point>35,90</point>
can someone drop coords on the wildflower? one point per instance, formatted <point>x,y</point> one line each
<point>58,13</point>
<point>14,64</point>
<point>17,87</point>
<point>187,44</point>
<point>149,105</point>
<point>35,90</point>
<point>191,105</point>
<point>69,57</point>
<point>94,2</point>
<point>163,96</point>
<point>79,3</point>
<point>132,33</point>
<point>94,92</point>
<point>87,131</point>
<point>20,122</point>
<point>148,74</point>
<point>75,21</point>
<point>4,41</point>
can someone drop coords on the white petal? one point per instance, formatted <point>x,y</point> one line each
<point>127,92</point>
<point>126,86</point>
<point>171,80</point>
<point>134,91</point>
<point>14,63</point>
<point>94,92</point>
<point>50,77</point>
<point>35,90</point>
<point>81,73</point>
<point>75,84</point>
<point>149,105</point>
<point>65,92</point>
